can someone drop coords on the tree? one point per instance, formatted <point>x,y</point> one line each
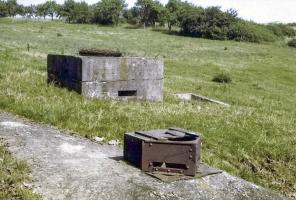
<point>11,6</point>
<point>81,13</point>
<point>29,11</point>
<point>3,9</point>
<point>150,11</point>
<point>41,10</point>
<point>67,10</point>
<point>109,11</point>
<point>51,8</point>
<point>132,16</point>
<point>173,8</point>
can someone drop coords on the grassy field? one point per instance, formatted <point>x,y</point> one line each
<point>254,139</point>
<point>12,175</point>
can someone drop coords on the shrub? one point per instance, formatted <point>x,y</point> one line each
<point>59,35</point>
<point>292,24</point>
<point>222,78</point>
<point>210,23</point>
<point>282,30</point>
<point>250,32</point>
<point>292,43</point>
<point>107,12</point>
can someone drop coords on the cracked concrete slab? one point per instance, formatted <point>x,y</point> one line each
<point>70,167</point>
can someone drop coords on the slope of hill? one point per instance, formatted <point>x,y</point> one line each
<point>255,138</point>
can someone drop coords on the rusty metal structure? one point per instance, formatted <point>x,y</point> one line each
<point>172,151</point>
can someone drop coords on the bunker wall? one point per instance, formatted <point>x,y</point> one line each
<point>108,77</point>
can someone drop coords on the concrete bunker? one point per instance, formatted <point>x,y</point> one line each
<point>123,78</point>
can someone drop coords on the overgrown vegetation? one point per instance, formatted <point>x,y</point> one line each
<point>292,43</point>
<point>282,30</point>
<point>12,176</point>
<point>222,78</point>
<point>210,23</point>
<point>250,32</point>
<point>253,139</point>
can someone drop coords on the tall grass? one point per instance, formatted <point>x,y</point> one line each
<point>12,176</point>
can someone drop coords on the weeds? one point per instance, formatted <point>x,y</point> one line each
<point>292,43</point>
<point>222,78</point>
<point>12,176</point>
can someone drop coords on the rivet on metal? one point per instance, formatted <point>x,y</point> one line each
<point>150,144</point>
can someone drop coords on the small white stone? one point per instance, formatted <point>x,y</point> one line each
<point>99,139</point>
<point>114,142</point>
<point>27,185</point>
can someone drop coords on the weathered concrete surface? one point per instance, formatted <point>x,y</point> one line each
<point>190,97</point>
<point>106,77</point>
<point>68,167</point>
<point>111,89</point>
<point>121,68</point>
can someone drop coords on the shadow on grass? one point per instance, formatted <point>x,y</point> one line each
<point>134,27</point>
<point>168,32</point>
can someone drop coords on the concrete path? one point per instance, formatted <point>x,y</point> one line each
<point>70,167</point>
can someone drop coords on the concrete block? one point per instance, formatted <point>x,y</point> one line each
<point>122,78</point>
<point>120,68</point>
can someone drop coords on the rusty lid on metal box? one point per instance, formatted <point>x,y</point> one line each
<point>168,135</point>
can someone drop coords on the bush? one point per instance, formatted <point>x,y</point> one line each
<point>222,78</point>
<point>282,30</point>
<point>292,43</point>
<point>108,12</point>
<point>210,23</point>
<point>250,32</point>
<point>292,24</point>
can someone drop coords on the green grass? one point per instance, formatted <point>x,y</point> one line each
<point>254,139</point>
<point>12,175</point>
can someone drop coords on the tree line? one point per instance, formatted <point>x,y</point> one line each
<point>211,22</point>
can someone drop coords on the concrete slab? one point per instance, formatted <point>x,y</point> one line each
<point>190,97</point>
<point>69,167</point>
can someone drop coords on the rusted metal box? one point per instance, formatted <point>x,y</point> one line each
<point>169,151</point>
